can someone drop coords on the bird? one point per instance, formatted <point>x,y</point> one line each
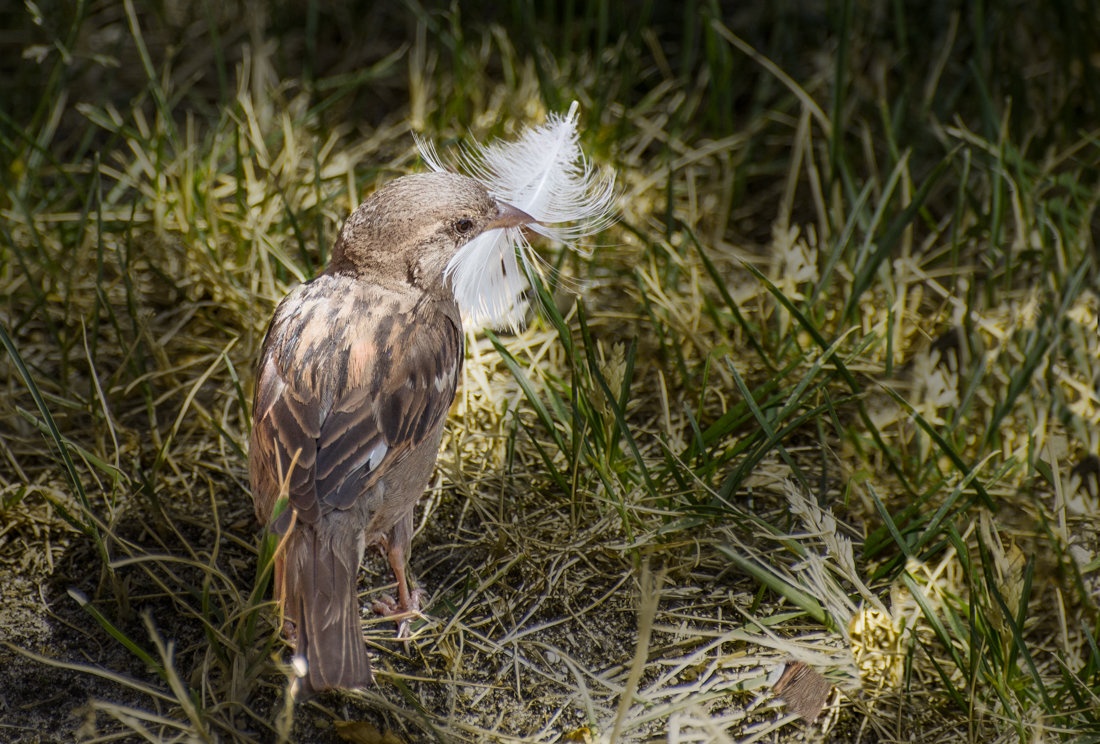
<point>357,372</point>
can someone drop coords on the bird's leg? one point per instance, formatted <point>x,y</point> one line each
<point>407,605</point>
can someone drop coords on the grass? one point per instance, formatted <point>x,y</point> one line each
<point>827,390</point>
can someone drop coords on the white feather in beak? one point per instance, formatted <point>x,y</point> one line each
<point>545,174</point>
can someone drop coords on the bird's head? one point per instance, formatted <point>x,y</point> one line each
<point>411,228</point>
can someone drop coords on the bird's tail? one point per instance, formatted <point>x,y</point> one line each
<point>320,598</point>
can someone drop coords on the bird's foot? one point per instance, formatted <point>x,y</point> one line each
<point>402,612</point>
<point>290,632</point>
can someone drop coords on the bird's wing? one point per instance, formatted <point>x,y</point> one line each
<point>347,404</point>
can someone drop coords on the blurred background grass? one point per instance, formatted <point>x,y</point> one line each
<point>828,390</point>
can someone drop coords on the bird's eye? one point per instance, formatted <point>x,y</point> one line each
<point>464,225</point>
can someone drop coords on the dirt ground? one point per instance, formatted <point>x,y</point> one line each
<point>530,633</point>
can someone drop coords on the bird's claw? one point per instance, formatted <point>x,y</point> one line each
<point>403,613</point>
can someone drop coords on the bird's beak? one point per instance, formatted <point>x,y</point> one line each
<point>509,216</point>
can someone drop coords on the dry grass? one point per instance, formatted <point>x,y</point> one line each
<point>828,390</point>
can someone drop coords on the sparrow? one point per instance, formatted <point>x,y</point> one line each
<point>358,370</point>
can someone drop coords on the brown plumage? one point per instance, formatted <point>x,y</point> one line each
<point>358,371</point>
